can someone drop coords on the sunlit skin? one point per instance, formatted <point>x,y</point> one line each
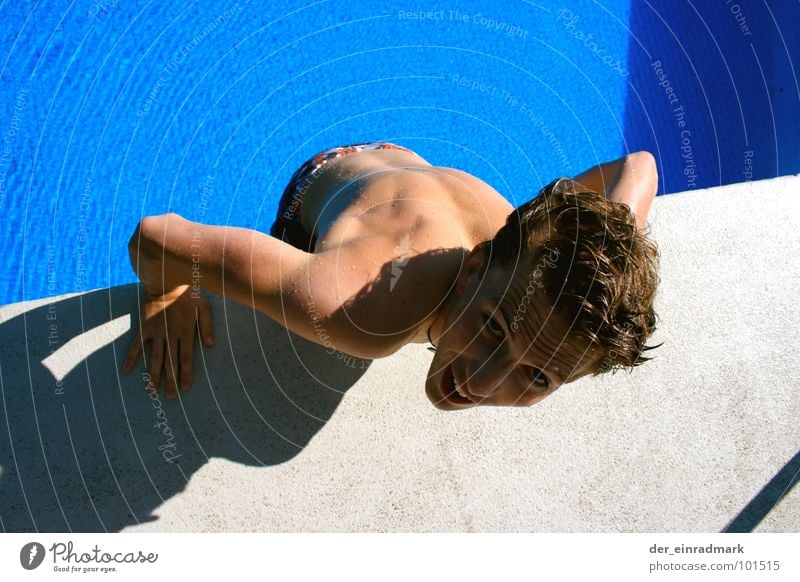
<point>495,364</point>
<point>394,261</point>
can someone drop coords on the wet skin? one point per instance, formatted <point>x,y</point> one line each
<point>494,362</point>
<point>394,260</point>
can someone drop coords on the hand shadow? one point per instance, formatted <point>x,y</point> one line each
<point>97,452</point>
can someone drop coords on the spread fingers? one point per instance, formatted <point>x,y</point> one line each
<point>156,362</point>
<point>171,369</point>
<point>133,353</point>
<point>187,343</point>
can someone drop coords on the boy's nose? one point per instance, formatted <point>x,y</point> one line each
<point>486,378</point>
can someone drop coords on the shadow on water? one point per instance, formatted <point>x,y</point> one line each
<point>713,90</point>
<point>98,453</point>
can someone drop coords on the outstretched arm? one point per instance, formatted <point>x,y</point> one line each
<point>176,259</point>
<point>255,269</point>
<point>632,180</point>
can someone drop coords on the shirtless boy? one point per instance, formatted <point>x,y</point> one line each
<point>381,248</point>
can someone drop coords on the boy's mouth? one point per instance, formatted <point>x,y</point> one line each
<point>451,392</point>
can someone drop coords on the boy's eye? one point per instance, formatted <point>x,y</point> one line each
<point>538,377</point>
<point>493,325</point>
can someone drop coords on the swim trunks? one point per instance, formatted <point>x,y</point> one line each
<point>288,226</point>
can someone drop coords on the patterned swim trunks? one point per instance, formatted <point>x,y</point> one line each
<point>288,226</point>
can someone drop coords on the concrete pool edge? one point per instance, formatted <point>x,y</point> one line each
<point>683,443</point>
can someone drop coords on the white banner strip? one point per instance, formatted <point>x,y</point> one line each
<point>379,557</point>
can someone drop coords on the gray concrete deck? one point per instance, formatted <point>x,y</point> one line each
<point>277,435</point>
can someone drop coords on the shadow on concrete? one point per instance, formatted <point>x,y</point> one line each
<point>758,508</point>
<point>98,453</point>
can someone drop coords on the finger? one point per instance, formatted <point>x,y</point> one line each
<point>156,362</point>
<point>171,369</point>
<point>206,323</point>
<point>187,343</point>
<point>133,353</point>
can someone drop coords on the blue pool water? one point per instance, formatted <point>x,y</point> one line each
<point>119,109</point>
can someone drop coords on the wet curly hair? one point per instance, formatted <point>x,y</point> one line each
<point>602,272</point>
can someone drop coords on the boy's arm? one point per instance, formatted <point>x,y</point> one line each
<point>302,291</point>
<point>176,258</point>
<point>632,180</point>
<point>291,286</point>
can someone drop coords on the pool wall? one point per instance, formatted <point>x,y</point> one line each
<point>113,111</point>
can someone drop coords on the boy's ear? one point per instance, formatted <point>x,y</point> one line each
<point>472,267</point>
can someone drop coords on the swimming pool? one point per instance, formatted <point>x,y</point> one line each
<point>114,110</point>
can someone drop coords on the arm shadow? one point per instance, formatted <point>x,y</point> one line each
<point>96,452</point>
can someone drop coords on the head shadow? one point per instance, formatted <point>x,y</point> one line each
<point>96,451</point>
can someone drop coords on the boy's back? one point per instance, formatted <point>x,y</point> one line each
<point>391,219</point>
<point>374,248</point>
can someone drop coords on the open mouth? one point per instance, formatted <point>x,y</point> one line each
<point>451,391</point>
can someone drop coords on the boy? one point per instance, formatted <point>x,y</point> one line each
<point>381,248</point>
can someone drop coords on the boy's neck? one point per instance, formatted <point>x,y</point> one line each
<point>436,325</point>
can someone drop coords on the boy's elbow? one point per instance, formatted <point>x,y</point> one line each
<point>151,231</point>
<point>157,224</point>
<point>646,169</point>
<point>141,235</point>
<point>643,156</point>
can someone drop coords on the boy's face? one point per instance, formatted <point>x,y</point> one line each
<point>502,345</point>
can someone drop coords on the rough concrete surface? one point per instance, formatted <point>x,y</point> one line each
<point>278,435</point>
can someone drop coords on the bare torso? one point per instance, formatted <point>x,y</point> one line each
<point>393,233</point>
<point>404,226</point>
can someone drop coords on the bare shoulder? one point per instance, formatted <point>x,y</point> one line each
<point>443,206</point>
<point>392,255</point>
<point>478,198</point>
<point>378,293</point>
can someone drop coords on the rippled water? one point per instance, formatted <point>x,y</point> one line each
<point>115,110</point>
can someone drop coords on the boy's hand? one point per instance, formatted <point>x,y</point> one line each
<point>169,321</point>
